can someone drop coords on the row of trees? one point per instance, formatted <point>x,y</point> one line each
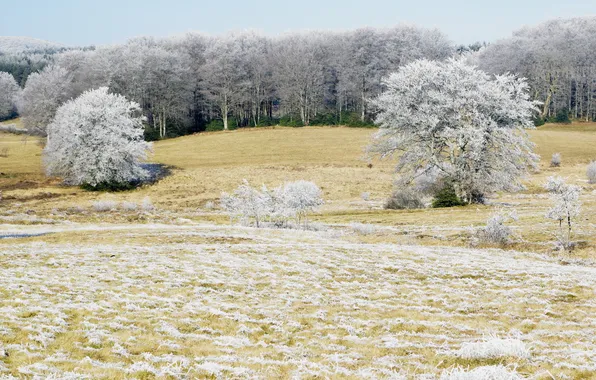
<point>241,79</point>
<point>558,58</point>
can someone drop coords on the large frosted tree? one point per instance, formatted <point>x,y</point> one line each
<point>458,123</point>
<point>97,139</point>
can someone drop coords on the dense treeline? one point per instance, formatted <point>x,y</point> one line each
<point>197,82</point>
<point>558,58</point>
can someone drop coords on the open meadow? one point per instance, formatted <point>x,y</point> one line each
<point>161,285</point>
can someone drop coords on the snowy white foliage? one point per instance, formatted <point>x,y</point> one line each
<point>96,138</point>
<point>454,118</point>
<point>566,208</point>
<point>555,160</point>
<point>556,57</point>
<point>246,203</point>
<point>13,44</point>
<point>278,205</point>
<point>43,94</point>
<point>491,372</point>
<point>9,94</point>
<point>302,197</point>
<point>494,347</point>
<point>496,231</point>
<point>591,172</point>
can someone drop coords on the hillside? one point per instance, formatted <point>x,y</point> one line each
<point>9,44</point>
<point>205,165</point>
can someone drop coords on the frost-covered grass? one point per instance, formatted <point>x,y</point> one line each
<point>494,347</point>
<point>187,301</point>
<point>497,372</point>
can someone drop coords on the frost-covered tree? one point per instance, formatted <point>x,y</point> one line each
<point>9,94</point>
<point>558,59</point>
<point>44,92</point>
<point>566,208</point>
<point>454,119</point>
<point>97,139</point>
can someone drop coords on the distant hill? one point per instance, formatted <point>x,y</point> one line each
<point>18,44</point>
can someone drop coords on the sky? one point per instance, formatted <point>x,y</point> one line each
<point>100,22</point>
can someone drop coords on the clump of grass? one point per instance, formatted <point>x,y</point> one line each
<point>363,229</point>
<point>555,160</point>
<point>490,372</point>
<point>128,206</point>
<point>591,172</point>
<point>493,348</point>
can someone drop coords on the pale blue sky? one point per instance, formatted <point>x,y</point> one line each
<point>87,22</point>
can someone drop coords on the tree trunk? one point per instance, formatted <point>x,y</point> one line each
<point>224,112</point>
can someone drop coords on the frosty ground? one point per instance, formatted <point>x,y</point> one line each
<point>178,292</point>
<point>260,303</point>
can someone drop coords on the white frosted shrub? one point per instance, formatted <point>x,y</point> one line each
<point>128,206</point>
<point>363,229</point>
<point>104,205</point>
<point>555,160</point>
<point>365,196</point>
<point>302,197</point>
<point>591,172</point>
<point>147,205</point>
<point>496,231</point>
<point>277,206</point>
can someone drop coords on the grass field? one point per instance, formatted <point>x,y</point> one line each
<point>177,292</point>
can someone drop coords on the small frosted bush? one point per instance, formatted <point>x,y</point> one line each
<point>555,160</point>
<point>404,199</point>
<point>293,200</point>
<point>104,205</point>
<point>494,348</point>
<point>147,205</point>
<point>128,206</point>
<point>491,372</point>
<point>363,229</point>
<point>496,231</point>
<point>365,196</point>
<point>591,172</point>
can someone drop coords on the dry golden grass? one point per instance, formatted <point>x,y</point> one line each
<point>206,164</point>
